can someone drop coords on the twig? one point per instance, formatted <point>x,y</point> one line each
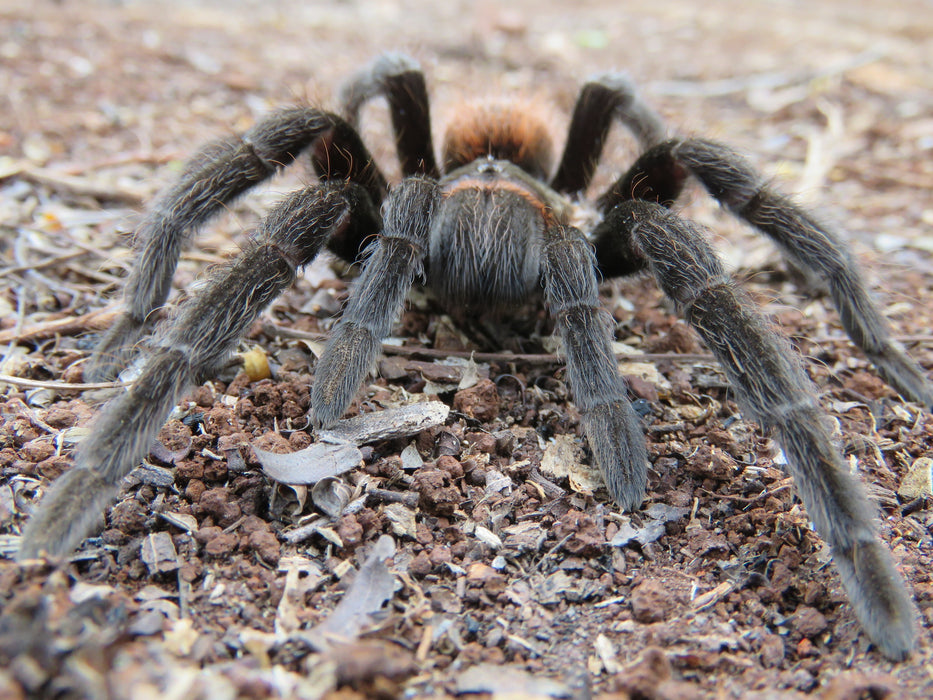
<point>761,81</point>
<point>128,158</point>
<point>271,328</point>
<point>70,184</point>
<point>38,384</point>
<point>45,263</point>
<point>93,321</point>
<point>408,498</point>
<point>846,339</point>
<point>31,416</point>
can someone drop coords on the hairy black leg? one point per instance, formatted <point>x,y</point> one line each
<point>601,100</point>
<point>656,176</point>
<point>616,256</point>
<point>399,79</point>
<point>211,180</point>
<point>376,298</point>
<point>812,247</point>
<point>612,427</point>
<point>773,388</point>
<point>191,347</point>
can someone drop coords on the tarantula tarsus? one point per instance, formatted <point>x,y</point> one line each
<point>487,230</point>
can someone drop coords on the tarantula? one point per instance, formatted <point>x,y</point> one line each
<point>488,230</point>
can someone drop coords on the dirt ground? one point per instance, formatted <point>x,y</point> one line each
<point>510,578</point>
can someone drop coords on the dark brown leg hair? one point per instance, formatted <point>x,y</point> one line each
<point>656,176</point>
<point>810,246</point>
<point>188,349</point>
<point>399,79</point>
<point>773,389</point>
<point>211,180</point>
<point>376,300</point>
<point>612,427</point>
<point>601,100</point>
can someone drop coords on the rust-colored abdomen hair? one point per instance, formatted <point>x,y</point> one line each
<point>503,130</point>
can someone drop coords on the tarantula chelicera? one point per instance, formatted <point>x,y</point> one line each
<point>488,229</point>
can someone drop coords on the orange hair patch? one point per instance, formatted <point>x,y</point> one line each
<point>511,131</point>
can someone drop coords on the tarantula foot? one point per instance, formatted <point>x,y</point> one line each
<point>115,349</point>
<point>903,374</point>
<point>615,436</point>
<point>70,510</point>
<point>879,596</point>
<point>348,356</point>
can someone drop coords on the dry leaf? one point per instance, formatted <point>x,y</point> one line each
<point>310,465</point>
<point>331,496</point>
<point>302,576</point>
<point>658,514</point>
<point>918,481</point>
<point>373,586</point>
<point>402,519</point>
<point>390,423</point>
<point>158,553</point>
<point>506,681</point>
<point>183,521</point>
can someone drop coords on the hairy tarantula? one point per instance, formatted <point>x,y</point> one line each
<point>487,230</point>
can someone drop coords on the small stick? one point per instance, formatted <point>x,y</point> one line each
<point>95,320</point>
<point>37,384</point>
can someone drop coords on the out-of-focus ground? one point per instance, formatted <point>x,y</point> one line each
<point>100,102</point>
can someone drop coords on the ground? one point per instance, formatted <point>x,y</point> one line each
<point>209,580</point>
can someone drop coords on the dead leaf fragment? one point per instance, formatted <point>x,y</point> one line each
<point>373,586</point>
<point>301,577</point>
<point>158,553</point>
<point>487,537</point>
<point>653,529</point>
<point>310,465</point>
<point>510,682</point>
<point>390,423</point>
<point>402,520</point>
<point>918,481</point>
<point>607,654</point>
<point>181,637</point>
<point>183,521</point>
<point>331,495</point>
<point>563,457</point>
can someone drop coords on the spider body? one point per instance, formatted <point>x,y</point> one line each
<point>493,231</point>
<point>484,244</point>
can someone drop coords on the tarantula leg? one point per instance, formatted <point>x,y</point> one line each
<point>601,100</point>
<point>656,176</point>
<point>772,387</point>
<point>810,246</point>
<point>211,180</point>
<point>616,256</point>
<point>399,79</point>
<point>612,427</point>
<point>376,298</point>
<point>205,332</point>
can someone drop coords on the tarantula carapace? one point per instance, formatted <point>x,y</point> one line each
<point>490,229</point>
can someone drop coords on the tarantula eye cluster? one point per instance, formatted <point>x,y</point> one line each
<point>493,228</point>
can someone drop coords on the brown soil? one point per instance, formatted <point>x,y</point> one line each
<point>504,577</point>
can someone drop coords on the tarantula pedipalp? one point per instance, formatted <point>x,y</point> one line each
<point>489,231</point>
